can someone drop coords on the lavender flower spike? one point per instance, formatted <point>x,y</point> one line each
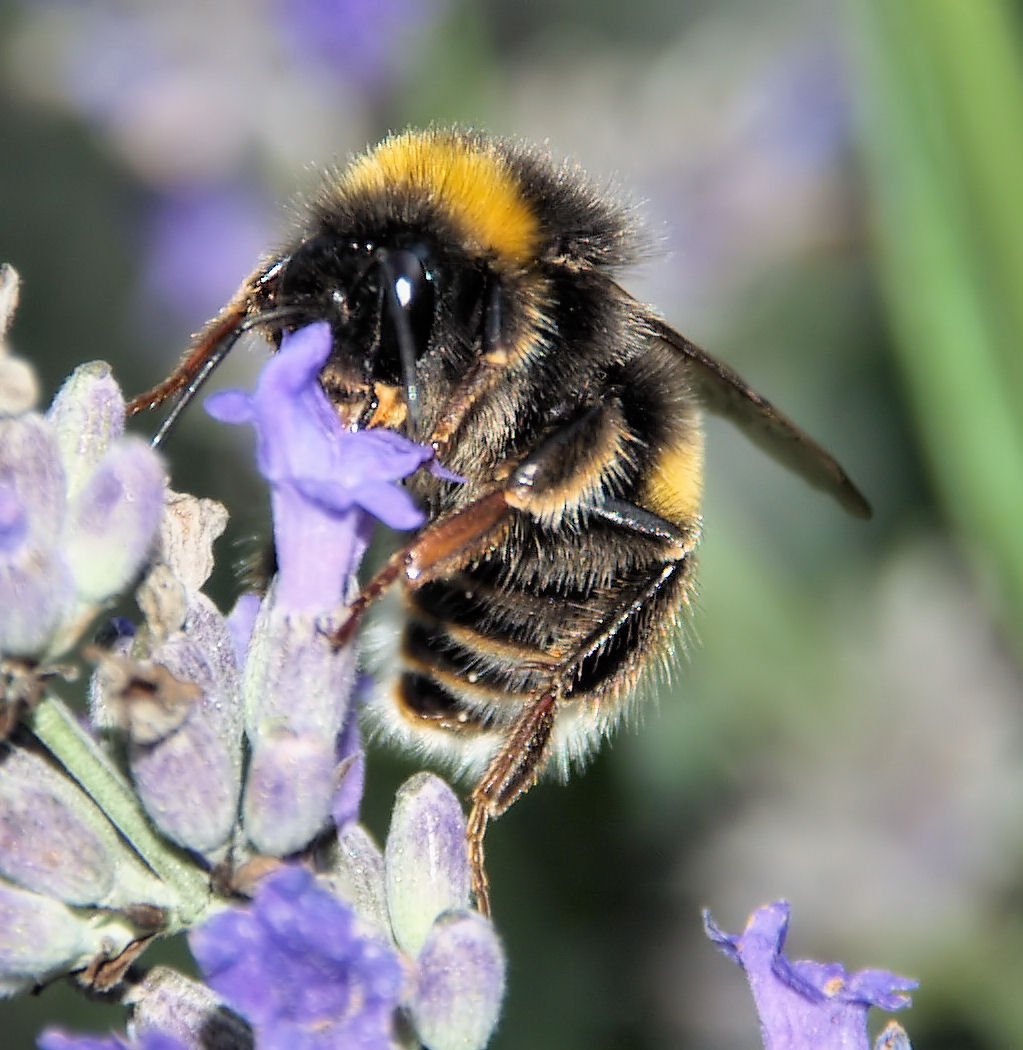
<point>327,485</point>
<point>806,1005</point>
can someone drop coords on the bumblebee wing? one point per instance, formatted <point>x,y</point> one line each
<point>727,394</point>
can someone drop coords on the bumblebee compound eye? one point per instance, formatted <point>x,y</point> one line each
<point>407,322</point>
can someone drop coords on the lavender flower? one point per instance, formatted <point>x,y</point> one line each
<point>806,1005</point>
<point>328,486</point>
<point>319,474</point>
<point>297,969</point>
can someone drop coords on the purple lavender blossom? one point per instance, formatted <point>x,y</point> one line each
<point>806,1005</point>
<point>200,240</point>
<point>296,968</point>
<point>356,42</point>
<point>319,473</point>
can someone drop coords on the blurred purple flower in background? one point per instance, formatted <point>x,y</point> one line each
<point>351,40</point>
<point>199,242</point>
<point>208,104</point>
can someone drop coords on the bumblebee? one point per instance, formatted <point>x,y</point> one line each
<point>471,286</point>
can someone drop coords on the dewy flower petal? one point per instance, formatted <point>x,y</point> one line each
<point>806,1005</point>
<point>427,868</point>
<point>295,967</point>
<point>87,417</point>
<point>114,519</point>
<point>459,985</point>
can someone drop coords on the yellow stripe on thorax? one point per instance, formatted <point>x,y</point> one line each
<point>471,181</point>
<point>674,485</point>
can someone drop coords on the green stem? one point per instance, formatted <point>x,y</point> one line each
<point>86,763</point>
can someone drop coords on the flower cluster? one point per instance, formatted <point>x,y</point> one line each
<point>223,749</point>
<point>222,759</point>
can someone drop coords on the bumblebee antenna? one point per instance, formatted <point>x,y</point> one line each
<point>202,363</point>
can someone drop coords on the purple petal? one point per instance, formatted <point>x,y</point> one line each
<point>805,1005</point>
<point>393,506</point>
<point>230,406</point>
<point>320,474</point>
<point>240,621</point>
<point>55,1039</point>
<point>294,966</point>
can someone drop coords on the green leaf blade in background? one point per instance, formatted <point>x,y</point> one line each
<point>941,106</point>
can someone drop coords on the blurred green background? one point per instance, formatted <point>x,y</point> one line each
<point>838,192</point>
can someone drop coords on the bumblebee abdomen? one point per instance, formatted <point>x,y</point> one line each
<point>479,644</point>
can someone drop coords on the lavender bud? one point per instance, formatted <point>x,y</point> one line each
<point>893,1037</point>
<point>37,937</point>
<point>294,676</point>
<point>48,843</point>
<point>54,840</point>
<point>36,593</point>
<point>30,466</point>
<point>168,1004</point>
<point>288,791</point>
<point>296,691</point>
<point>189,776</point>
<point>87,417</point>
<point>189,783</point>
<point>113,519</point>
<point>357,875</point>
<point>427,869</point>
<point>459,985</point>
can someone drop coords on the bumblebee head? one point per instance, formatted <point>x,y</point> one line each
<point>381,299</point>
